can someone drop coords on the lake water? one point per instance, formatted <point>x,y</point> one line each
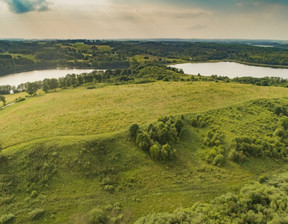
<point>231,69</point>
<point>32,76</point>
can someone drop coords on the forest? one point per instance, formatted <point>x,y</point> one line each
<point>18,56</point>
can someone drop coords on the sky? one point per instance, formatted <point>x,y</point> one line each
<point>144,19</point>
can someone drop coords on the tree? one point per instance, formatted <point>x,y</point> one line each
<point>167,152</point>
<point>2,98</point>
<point>53,83</point>
<point>32,88</point>
<point>143,141</point>
<point>46,85</point>
<point>133,131</point>
<point>155,151</point>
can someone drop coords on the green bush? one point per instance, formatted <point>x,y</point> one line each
<point>19,99</point>
<point>256,203</point>
<point>214,138</point>
<point>214,156</point>
<point>156,139</point>
<point>6,219</point>
<point>245,147</point>
<point>167,153</point>
<point>109,188</point>
<point>98,216</point>
<point>36,214</point>
<point>133,131</point>
<point>155,151</point>
<point>143,141</point>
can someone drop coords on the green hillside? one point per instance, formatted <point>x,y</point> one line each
<point>67,156</point>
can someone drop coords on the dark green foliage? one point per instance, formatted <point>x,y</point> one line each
<point>156,138</point>
<point>36,214</point>
<point>2,98</point>
<point>283,122</point>
<point>19,99</point>
<point>214,138</point>
<point>7,219</point>
<point>199,121</point>
<point>245,147</point>
<point>214,156</point>
<point>256,203</point>
<point>98,216</point>
<point>32,88</point>
<point>143,141</point>
<point>158,73</point>
<point>167,153</point>
<point>45,86</point>
<point>108,184</point>
<point>155,151</point>
<point>133,131</point>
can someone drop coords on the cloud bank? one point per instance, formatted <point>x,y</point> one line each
<point>24,6</point>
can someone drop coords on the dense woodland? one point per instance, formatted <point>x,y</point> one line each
<point>16,56</point>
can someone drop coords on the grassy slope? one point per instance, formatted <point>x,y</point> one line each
<point>113,108</point>
<point>143,186</point>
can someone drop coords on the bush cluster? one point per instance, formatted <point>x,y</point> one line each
<point>199,121</point>
<point>5,219</point>
<point>157,138</point>
<point>214,154</point>
<point>256,203</point>
<point>245,147</point>
<point>110,214</point>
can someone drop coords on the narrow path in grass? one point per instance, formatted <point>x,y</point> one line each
<point>8,105</point>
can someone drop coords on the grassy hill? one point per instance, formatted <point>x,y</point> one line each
<point>67,156</point>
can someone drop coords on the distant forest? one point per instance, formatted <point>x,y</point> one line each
<point>18,56</point>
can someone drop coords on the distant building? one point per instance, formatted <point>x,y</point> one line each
<point>11,91</point>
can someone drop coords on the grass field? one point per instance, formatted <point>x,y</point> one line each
<point>65,147</point>
<point>113,108</point>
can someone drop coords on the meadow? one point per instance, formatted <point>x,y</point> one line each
<point>67,156</point>
<point>106,109</point>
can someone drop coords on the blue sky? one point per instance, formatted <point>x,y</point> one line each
<point>113,19</point>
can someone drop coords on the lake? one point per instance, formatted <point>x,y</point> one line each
<point>231,70</point>
<point>37,75</point>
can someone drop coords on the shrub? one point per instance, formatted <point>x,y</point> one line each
<point>143,141</point>
<point>214,156</point>
<point>155,151</point>
<point>218,160</point>
<point>156,139</point>
<point>6,219</point>
<point>109,188</point>
<point>19,99</point>
<point>167,153</point>
<point>214,138</point>
<point>98,216</point>
<point>283,121</point>
<point>36,214</point>
<point>234,156</point>
<point>280,132</point>
<point>133,131</point>
<point>34,194</point>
